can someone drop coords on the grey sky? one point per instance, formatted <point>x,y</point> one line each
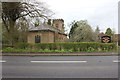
<point>119,18</point>
<point>103,13</point>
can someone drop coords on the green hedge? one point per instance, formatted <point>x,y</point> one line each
<point>83,46</point>
<point>23,45</point>
<point>64,47</point>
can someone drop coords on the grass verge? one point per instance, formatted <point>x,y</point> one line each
<point>14,50</point>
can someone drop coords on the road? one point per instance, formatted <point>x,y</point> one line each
<point>60,67</point>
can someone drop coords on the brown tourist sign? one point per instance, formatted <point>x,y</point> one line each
<point>106,39</point>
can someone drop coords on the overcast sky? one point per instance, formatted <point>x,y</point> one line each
<point>103,13</point>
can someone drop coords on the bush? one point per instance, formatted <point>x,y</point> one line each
<point>64,47</point>
<point>23,45</point>
<point>118,48</point>
<point>10,49</point>
<point>6,45</point>
<point>77,47</point>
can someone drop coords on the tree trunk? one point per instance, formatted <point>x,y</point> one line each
<point>12,32</point>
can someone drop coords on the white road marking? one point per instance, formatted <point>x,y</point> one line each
<point>2,61</point>
<point>58,61</point>
<point>116,61</point>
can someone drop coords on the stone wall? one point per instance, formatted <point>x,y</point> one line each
<point>46,36</point>
<point>59,24</point>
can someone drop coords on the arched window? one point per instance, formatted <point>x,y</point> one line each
<point>37,39</point>
<point>57,26</point>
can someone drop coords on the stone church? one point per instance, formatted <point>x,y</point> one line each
<point>45,33</point>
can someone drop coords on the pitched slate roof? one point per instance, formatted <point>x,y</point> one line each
<point>44,27</point>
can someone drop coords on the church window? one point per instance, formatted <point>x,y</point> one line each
<point>37,39</point>
<point>56,25</point>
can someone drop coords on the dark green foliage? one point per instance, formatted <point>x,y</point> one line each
<point>73,27</point>
<point>118,48</point>
<point>75,47</point>
<point>49,22</point>
<point>109,32</point>
<point>63,47</point>
<point>108,46</point>
<point>22,45</point>
<point>43,46</point>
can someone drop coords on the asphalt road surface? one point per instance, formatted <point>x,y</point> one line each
<point>60,67</point>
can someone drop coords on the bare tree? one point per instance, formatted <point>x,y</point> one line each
<point>17,12</point>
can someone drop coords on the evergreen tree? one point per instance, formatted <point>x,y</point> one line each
<point>49,22</point>
<point>109,32</point>
<point>74,26</point>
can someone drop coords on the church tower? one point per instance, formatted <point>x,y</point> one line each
<point>59,24</point>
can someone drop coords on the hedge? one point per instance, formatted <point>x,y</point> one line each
<point>82,46</point>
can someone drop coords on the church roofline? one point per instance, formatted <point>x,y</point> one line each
<point>45,28</point>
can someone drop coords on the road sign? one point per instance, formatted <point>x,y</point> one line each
<point>106,39</point>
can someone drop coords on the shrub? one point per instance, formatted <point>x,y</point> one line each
<point>10,49</point>
<point>118,48</point>
<point>22,45</point>
<point>77,47</point>
<point>64,47</point>
<point>6,45</point>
